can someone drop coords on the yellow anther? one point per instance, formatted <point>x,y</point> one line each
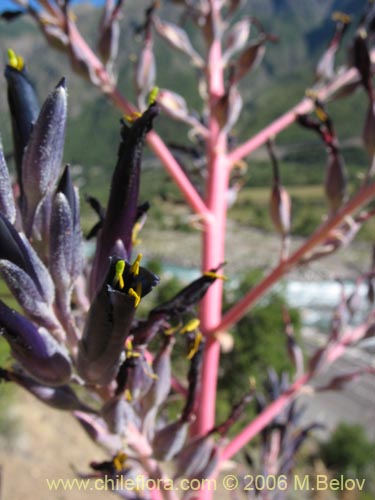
<point>321,114</point>
<point>120,268</point>
<point>134,116</point>
<point>342,17</point>
<point>129,350</point>
<point>195,345</point>
<point>210,274</point>
<point>134,268</point>
<point>252,382</point>
<point>128,395</point>
<point>137,298</point>
<point>190,326</point>
<point>15,61</point>
<point>119,461</point>
<point>153,95</point>
<point>136,230</point>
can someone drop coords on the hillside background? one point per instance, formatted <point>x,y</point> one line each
<point>303,28</point>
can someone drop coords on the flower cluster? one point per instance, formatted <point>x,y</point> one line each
<point>77,345</point>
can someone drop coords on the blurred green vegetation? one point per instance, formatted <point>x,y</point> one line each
<point>349,452</point>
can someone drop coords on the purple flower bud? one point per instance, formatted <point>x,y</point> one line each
<point>140,375</point>
<point>123,200</point>
<point>145,73</point>
<point>335,181</point>
<point>25,275</point>
<point>179,39</point>
<point>162,368</point>
<point>236,38</point>
<point>362,59</point>
<point>228,108</point>
<point>117,412</point>
<point>23,105</point>
<point>280,202</point>
<point>325,69</point>
<point>35,349</point>
<point>109,33</point>
<point>194,457</point>
<point>62,397</point>
<point>109,320</point>
<point>280,209</point>
<point>169,440</point>
<point>368,133</point>
<point>250,58</point>
<point>7,206</point>
<point>43,155</point>
<point>97,431</point>
<point>65,238</point>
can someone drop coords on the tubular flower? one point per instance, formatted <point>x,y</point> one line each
<point>109,320</point>
<point>121,213</point>
<point>190,295</point>
<point>23,106</point>
<point>35,349</point>
<point>335,179</point>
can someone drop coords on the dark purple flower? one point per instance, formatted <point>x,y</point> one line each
<point>121,212</point>
<point>109,320</point>
<point>23,105</point>
<point>26,276</point>
<point>190,295</point>
<point>35,349</point>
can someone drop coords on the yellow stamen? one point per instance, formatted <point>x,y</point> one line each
<point>15,61</point>
<point>134,116</point>
<point>342,17</point>
<point>321,114</point>
<point>120,268</point>
<point>211,274</point>
<point>119,461</point>
<point>196,343</point>
<point>128,395</point>
<point>252,382</point>
<point>129,350</point>
<point>190,326</point>
<point>172,329</point>
<point>134,294</point>
<point>153,95</point>
<point>136,230</point>
<point>134,268</point>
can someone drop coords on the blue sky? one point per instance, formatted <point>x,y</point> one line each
<point>9,5</point>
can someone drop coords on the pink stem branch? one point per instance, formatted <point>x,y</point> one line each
<point>214,233</point>
<point>365,195</point>
<point>264,418</point>
<point>155,142</point>
<point>281,123</point>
